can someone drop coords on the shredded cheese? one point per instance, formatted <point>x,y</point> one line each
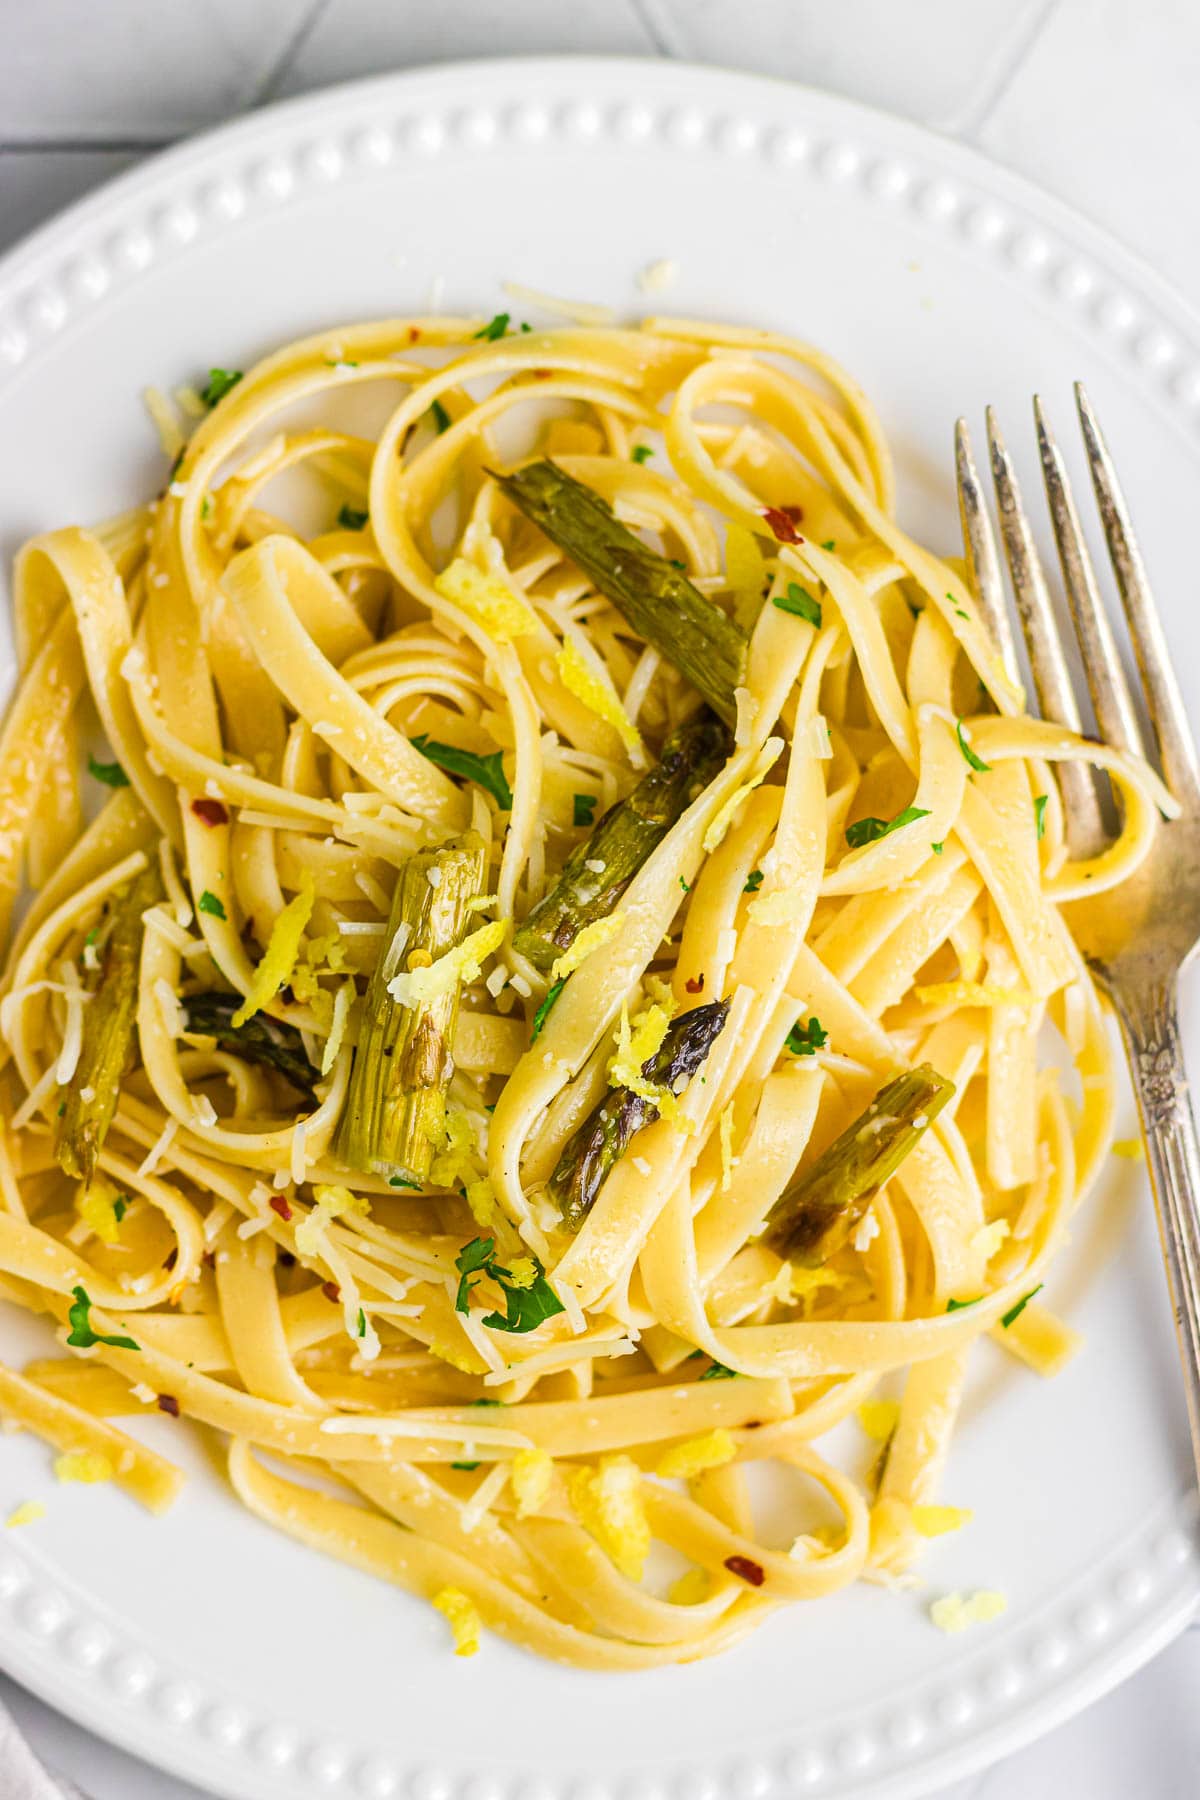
<point>342,1002</point>
<point>331,1203</point>
<point>597,694</point>
<point>417,987</point>
<point>283,947</point>
<point>488,599</point>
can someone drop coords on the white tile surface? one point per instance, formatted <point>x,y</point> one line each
<point>1095,99</point>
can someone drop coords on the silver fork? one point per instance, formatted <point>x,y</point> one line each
<point>1138,939</point>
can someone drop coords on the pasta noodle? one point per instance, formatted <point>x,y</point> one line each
<point>515,1239</point>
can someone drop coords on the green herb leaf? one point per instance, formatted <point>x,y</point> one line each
<point>937,848</point>
<point>543,1011</point>
<point>641,453</point>
<point>961,1305</point>
<point>111,774</point>
<point>441,422</point>
<point>120,1207</point>
<point>685,885</point>
<point>976,762</point>
<point>465,1467</point>
<point>350,519</point>
<point>1014,1312</point>
<point>219,383</point>
<point>799,601</point>
<point>486,771</point>
<point>524,1308</point>
<point>830,544</point>
<point>485,1401</point>
<point>806,1040</point>
<point>362,1323</point>
<point>585,808</point>
<point>82,1336</point>
<point>472,1259</point>
<point>754,881</point>
<point>495,328</point>
<point>867,831</point>
<point>718,1372</point>
<point>404,1182</point>
<point>208,903</point>
<point>1039,813</point>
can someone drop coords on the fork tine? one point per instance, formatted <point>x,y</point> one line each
<point>1115,714</point>
<point>1039,627</point>
<point>1164,702</point>
<point>979,542</point>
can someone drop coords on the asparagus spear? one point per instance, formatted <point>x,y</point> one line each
<point>395,1110</point>
<point>108,1032</point>
<point>595,875</point>
<point>815,1215</point>
<point>604,1136</point>
<point>655,597</point>
<point>261,1039</point>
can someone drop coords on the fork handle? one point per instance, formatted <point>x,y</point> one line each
<point>1150,1023</point>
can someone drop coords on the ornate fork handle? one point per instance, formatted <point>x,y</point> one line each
<point>1150,1022</point>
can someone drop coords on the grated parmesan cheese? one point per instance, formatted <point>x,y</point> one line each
<point>158,1148</point>
<point>72,1044</point>
<point>342,1002</point>
<point>658,275</point>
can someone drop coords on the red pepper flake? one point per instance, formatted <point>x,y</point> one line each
<point>331,1291</point>
<point>279,1205</point>
<point>169,1404</point>
<point>172,1257</point>
<point>208,1259</point>
<point>414,335</point>
<point>749,1571</point>
<point>781,524</point>
<point>542,374</point>
<point>794,513</point>
<point>695,985</point>
<point>212,812</point>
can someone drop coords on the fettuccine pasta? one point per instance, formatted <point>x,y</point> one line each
<point>534,910</point>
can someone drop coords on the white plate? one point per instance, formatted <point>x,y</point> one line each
<point>205,1641</point>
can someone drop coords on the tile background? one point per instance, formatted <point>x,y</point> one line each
<point>1094,99</point>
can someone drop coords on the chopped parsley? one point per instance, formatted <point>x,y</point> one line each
<point>1014,1312</point>
<point>961,1305</point>
<point>685,885</point>
<point>111,774</point>
<point>403,1181</point>
<point>641,453</point>
<point>937,848</point>
<point>362,1323</point>
<point>717,1371</point>
<point>975,761</point>
<point>544,1010</point>
<point>677,564</point>
<point>584,808</point>
<point>486,771</point>
<point>754,881</point>
<point>799,601</point>
<point>829,544</point>
<point>1039,813</point>
<point>120,1207</point>
<point>219,383</point>
<point>466,1468</point>
<point>495,328</point>
<point>441,422</point>
<point>340,362</point>
<point>867,831</point>
<point>806,1040</point>
<point>208,903</point>
<point>82,1336</point>
<point>350,519</point>
<point>525,1307</point>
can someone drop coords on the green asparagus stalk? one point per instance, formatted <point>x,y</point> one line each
<point>261,1039</point>
<point>596,874</point>
<point>592,1151</point>
<point>815,1215</point>
<point>394,1116</point>
<point>109,1020</point>
<point>654,596</point>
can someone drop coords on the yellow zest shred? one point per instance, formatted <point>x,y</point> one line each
<point>83,1465</point>
<point>1132,1149</point>
<point>417,987</point>
<point>608,1504</point>
<point>879,1418</point>
<point>458,1609</point>
<point>283,947</point>
<point>481,1198</point>
<point>953,1612</point>
<point>636,1043</point>
<point>936,1521</point>
<point>522,1272</point>
<point>462,1360</point>
<point>501,612</point>
<point>343,1000</point>
<point>690,1589</point>
<point>972,993</point>
<point>530,1474</point>
<point>803,1283</point>
<point>96,1206</point>
<point>745,573</point>
<point>694,1455</point>
<point>723,818</point>
<point>25,1514</point>
<point>589,939</point>
<point>580,679</point>
<point>331,1202</point>
<point>725,1129</point>
<point>458,1162</point>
